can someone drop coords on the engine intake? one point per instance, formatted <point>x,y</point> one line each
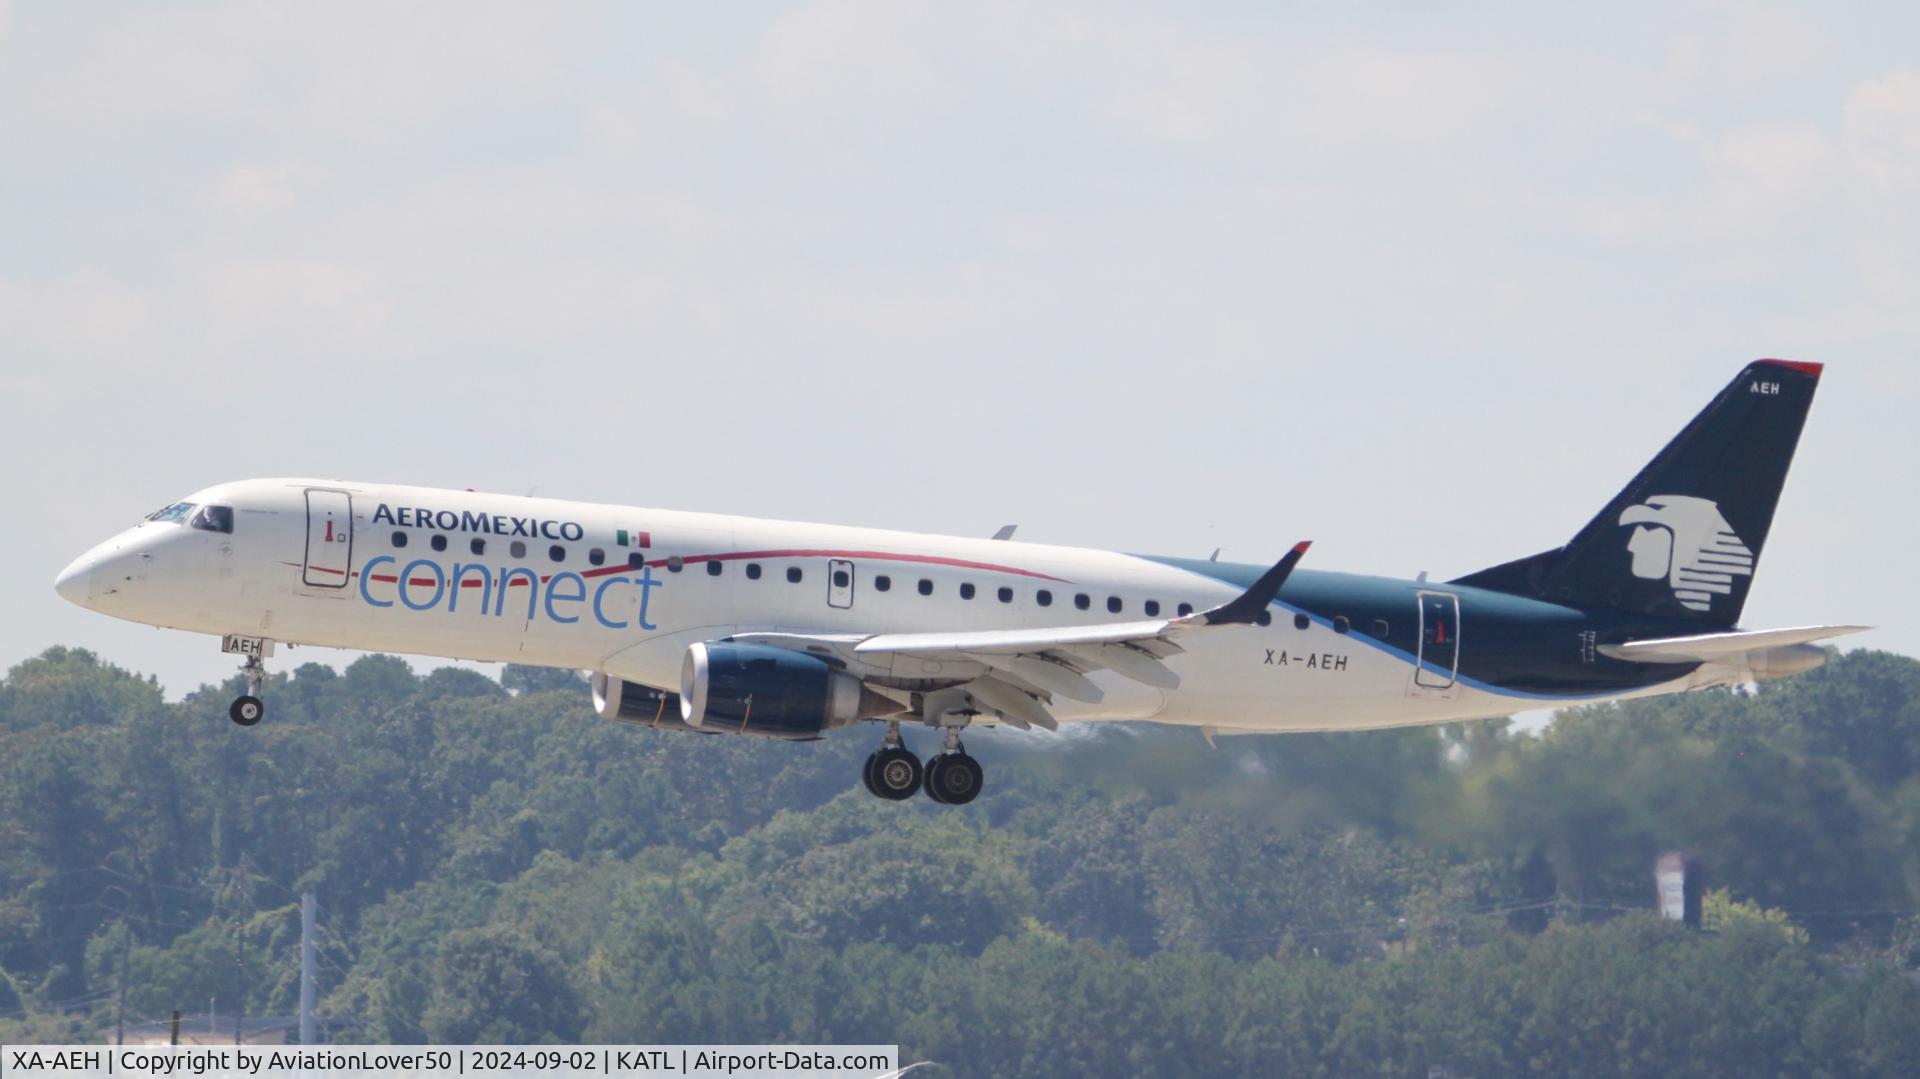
<point>772,692</point>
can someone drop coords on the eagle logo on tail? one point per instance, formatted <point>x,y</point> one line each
<point>1687,541</point>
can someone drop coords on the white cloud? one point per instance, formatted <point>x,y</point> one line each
<point>1008,237</point>
<point>1883,128</point>
<point>250,189</point>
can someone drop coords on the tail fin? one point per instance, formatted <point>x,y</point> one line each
<point>1683,539</point>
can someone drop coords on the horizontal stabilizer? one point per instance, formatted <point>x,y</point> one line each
<point>1714,647</point>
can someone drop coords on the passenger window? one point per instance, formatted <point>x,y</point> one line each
<point>1301,621</point>
<point>926,587</point>
<point>793,574</point>
<point>518,549</point>
<point>399,538</point>
<point>1043,597</point>
<point>1082,600</point>
<point>1113,604</point>
<point>213,519</point>
<point>1152,607</point>
<point>635,560</point>
<point>1340,623</point>
<point>966,589</point>
<point>1265,618</point>
<point>675,563</point>
<point>753,571</point>
<point>713,567</point>
<point>557,553</point>
<point>841,578</point>
<point>882,583</point>
<point>438,543</point>
<point>1380,628</point>
<point>1006,595</point>
<point>597,556</point>
<point>1185,609</point>
<point>477,545</point>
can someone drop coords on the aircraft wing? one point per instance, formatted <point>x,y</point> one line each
<point>1016,672</point>
<point>1716,647</point>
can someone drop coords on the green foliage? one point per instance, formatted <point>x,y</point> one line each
<point>1720,912</point>
<point>496,864</point>
<point>493,985</point>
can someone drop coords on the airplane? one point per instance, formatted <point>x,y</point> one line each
<point>740,626</point>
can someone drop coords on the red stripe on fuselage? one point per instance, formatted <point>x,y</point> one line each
<point>872,556</point>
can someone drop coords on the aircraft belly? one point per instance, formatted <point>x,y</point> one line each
<point>1280,678</point>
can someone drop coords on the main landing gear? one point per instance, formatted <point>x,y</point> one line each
<point>246,710</point>
<point>950,777</point>
<point>892,771</point>
<point>953,777</point>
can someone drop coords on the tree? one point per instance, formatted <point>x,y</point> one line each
<point>519,678</point>
<point>496,985</point>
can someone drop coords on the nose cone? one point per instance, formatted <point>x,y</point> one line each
<point>75,583</point>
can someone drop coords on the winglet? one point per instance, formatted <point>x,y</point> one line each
<point>1247,606</point>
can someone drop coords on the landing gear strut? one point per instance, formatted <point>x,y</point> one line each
<point>892,771</point>
<point>246,710</point>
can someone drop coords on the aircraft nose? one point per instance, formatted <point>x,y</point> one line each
<point>75,583</point>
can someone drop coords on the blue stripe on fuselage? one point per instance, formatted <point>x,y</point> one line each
<point>1392,596</point>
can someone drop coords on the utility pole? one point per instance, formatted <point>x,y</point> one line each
<point>239,986</point>
<point>174,1039</point>
<point>120,996</point>
<point>307,914</point>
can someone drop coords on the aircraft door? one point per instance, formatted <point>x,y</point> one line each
<point>840,583</point>
<point>1439,656</point>
<point>329,554</point>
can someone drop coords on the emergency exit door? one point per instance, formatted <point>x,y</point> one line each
<point>329,539</point>
<point>840,583</point>
<point>1439,656</point>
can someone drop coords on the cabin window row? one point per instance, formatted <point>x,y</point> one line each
<point>518,549</point>
<point>881,582</point>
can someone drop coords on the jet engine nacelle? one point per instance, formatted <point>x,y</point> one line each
<point>630,702</point>
<point>773,692</point>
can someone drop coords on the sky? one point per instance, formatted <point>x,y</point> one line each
<point>1424,286</point>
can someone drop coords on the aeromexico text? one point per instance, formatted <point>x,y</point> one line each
<point>613,598</point>
<point>496,524</point>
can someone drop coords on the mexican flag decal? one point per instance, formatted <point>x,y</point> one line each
<point>632,539</point>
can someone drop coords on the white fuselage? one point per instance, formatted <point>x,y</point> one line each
<point>625,591</point>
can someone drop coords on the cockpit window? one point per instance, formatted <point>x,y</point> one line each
<point>213,519</point>
<point>173,514</point>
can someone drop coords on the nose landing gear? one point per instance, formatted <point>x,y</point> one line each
<point>248,709</point>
